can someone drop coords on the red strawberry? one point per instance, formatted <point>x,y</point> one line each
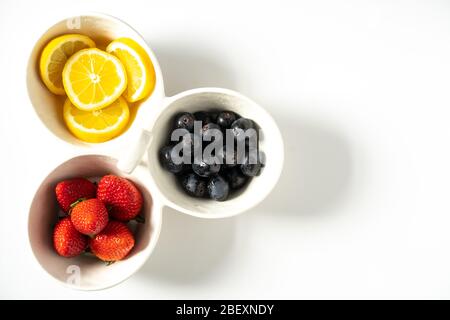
<point>121,197</point>
<point>68,242</point>
<point>89,216</point>
<point>69,191</point>
<point>113,243</point>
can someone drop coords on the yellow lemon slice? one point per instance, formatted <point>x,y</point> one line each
<point>55,55</point>
<point>139,67</point>
<point>93,79</point>
<point>98,125</point>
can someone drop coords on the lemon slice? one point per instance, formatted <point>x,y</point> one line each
<point>55,55</point>
<point>98,125</point>
<point>139,67</point>
<point>93,79</point>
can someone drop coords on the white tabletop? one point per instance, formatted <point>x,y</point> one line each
<point>360,90</point>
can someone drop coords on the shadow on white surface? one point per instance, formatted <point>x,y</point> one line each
<point>317,169</point>
<point>185,68</point>
<point>189,249</point>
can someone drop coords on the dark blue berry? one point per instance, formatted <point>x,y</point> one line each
<point>213,115</point>
<point>218,188</point>
<point>204,169</point>
<point>251,166</point>
<point>191,142</point>
<point>194,185</point>
<point>203,116</point>
<point>185,120</point>
<point>254,151</point>
<point>210,130</point>
<point>235,178</point>
<point>229,157</point>
<point>240,127</point>
<point>262,158</point>
<point>165,157</point>
<point>225,119</point>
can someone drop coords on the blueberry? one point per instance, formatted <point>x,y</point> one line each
<point>251,166</point>
<point>194,185</point>
<point>209,131</point>
<point>204,169</point>
<point>185,120</point>
<point>218,188</point>
<point>262,158</point>
<point>240,127</point>
<point>243,123</point>
<point>254,151</point>
<point>210,126</point>
<point>229,157</point>
<point>191,142</point>
<point>225,119</point>
<point>203,116</point>
<point>165,157</point>
<point>213,115</point>
<point>235,178</point>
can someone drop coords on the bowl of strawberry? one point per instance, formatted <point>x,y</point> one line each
<point>90,225</point>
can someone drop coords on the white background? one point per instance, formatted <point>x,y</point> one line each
<point>360,90</point>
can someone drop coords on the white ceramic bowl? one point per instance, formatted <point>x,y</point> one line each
<point>205,99</point>
<point>102,29</point>
<point>94,274</point>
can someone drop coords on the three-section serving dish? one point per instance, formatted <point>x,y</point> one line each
<point>134,155</point>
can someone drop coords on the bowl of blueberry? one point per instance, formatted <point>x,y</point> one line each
<point>214,153</point>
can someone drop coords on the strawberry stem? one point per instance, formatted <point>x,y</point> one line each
<point>72,205</point>
<point>140,219</point>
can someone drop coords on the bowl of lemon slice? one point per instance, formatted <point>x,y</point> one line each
<point>88,77</point>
